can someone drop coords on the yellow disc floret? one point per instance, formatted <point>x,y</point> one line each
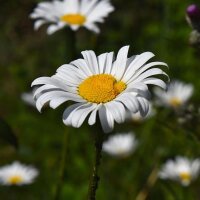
<point>101,88</point>
<point>16,179</point>
<point>73,19</point>
<point>185,176</point>
<point>175,102</point>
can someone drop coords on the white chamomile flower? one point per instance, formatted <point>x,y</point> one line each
<point>17,174</point>
<point>27,97</point>
<point>100,85</point>
<point>177,94</point>
<point>181,169</point>
<point>120,145</point>
<point>72,13</point>
<point>136,117</point>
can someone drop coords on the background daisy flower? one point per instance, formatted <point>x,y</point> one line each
<point>177,94</point>
<point>101,85</point>
<point>181,169</point>
<point>120,145</point>
<point>17,174</point>
<point>72,13</point>
<point>27,97</point>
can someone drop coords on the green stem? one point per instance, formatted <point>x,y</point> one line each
<point>71,47</point>
<point>62,168</point>
<point>143,194</point>
<point>95,177</point>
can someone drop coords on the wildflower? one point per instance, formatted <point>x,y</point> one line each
<point>17,174</point>
<point>177,94</point>
<point>101,85</point>
<point>120,145</point>
<point>181,169</point>
<point>72,13</point>
<point>193,16</point>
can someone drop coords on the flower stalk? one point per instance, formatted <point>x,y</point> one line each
<point>98,139</point>
<point>59,184</point>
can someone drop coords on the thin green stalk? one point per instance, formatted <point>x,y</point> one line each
<point>143,194</point>
<point>62,167</point>
<point>71,45</point>
<point>93,186</point>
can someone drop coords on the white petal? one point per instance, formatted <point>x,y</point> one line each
<point>144,68</point>
<point>46,97</point>
<point>102,61</point>
<point>109,62</point>
<point>50,81</point>
<point>39,23</point>
<point>150,72</point>
<point>144,106</point>
<point>43,89</point>
<point>92,27</point>
<point>91,60</point>
<point>54,103</point>
<point>92,118</point>
<point>138,62</point>
<point>99,11</point>
<point>75,115</point>
<point>117,110</point>
<point>82,65</point>
<point>107,122</point>
<point>120,63</point>
<point>80,114</point>
<point>129,101</point>
<point>155,81</point>
<point>87,5</point>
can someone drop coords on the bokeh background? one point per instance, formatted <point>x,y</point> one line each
<point>146,25</point>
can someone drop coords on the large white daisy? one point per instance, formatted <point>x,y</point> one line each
<point>120,145</point>
<point>181,169</point>
<point>177,94</point>
<point>102,85</point>
<point>17,174</point>
<point>72,13</point>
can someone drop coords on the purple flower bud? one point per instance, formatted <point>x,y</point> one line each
<point>193,17</point>
<point>193,11</point>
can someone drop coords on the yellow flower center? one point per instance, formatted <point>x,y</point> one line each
<point>101,88</point>
<point>73,19</point>
<point>175,102</point>
<point>185,176</point>
<point>15,179</point>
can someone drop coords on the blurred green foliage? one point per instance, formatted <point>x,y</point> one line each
<point>147,25</point>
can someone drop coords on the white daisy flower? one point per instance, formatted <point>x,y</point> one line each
<point>136,117</point>
<point>72,13</point>
<point>181,169</point>
<point>101,85</point>
<point>177,94</point>
<point>120,145</point>
<point>27,97</point>
<point>17,174</point>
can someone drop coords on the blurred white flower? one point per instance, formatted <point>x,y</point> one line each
<point>120,145</point>
<point>177,94</point>
<point>136,117</point>
<point>27,97</point>
<point>101,85</point>
<point>72,13</point>
<point>17,174</point>
<point>181,169</point>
